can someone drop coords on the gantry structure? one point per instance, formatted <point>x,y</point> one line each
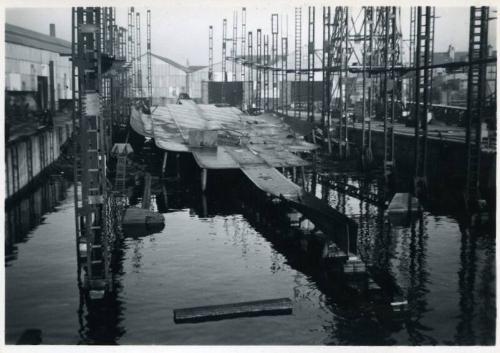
<point>107,81</point>
<point>369,72</point>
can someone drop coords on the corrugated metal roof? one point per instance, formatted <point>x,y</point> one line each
<point>28,38</point>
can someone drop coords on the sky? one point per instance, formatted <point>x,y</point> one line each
<point>180,31</point>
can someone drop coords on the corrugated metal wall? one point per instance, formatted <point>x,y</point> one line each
<point>24,64</point>
<point>45,149</point>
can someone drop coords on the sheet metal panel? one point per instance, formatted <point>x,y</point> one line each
<point>214,158</point>
<point>264,139</point>
<point>269,180</point>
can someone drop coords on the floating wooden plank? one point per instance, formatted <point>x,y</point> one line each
<point>281,306</point>
<point>139,216</point>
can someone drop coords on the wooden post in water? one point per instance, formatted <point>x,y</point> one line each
<point>204,180</point>
<point>303,175</point>
<point>164,164</point>
<point>146,196</point>
<point>165,196</point>
<point>177,165</point>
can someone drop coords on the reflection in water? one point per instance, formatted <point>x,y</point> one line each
<point>28,212</point>
<point>476,281</point>
<point>100,321</point>
<point>402,259</point>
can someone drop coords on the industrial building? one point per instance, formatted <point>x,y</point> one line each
<point>37,90</point>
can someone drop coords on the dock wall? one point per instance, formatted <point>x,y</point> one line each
<point>446,160</point>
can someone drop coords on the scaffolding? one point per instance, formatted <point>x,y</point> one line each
<point>284,78</point>
<point>243,40</point>
<point>234,51</point>
<point>131,54</point>
<point>363,67</point>
<point>266,73</point>
<point>224,57</point>
<point>250,70</point>
<point>274,60</point>
<point>258,86</point>
<point>89,48</point>
<point>138,54</point>
<point>476,89</point>
<point>326,92</point>
<point>298,62</point>
<point>210,53</point>
<point>310,64</point>
<point>148,48</point>
<point>424,34</point>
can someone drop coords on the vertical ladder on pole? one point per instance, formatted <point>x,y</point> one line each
<point>148,51</point>
<point>258,89</point>
<point>478,50</point>
<point>210,53</point>
<point>138,52</point>
<point>250,70</point>
<point>90,169</point>
<point>224,58</point>
<point>298,61</point>
<point>274,59</point>
<point>391,94</point>
<point>266,73</point>
<point>284,75</point>
<point>310,64</point>
<point>234,52</point>
<point>327,62</point>
<point>243,42</point>
<point>423,81</point>
<point>121,172</point>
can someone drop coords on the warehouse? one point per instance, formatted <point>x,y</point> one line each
<point>37,90</point>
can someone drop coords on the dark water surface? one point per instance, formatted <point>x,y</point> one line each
<point>213,251</point>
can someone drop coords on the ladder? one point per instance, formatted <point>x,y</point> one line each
<point>423,83</point>
<point>258,89</point>
<point>478,50</point>
<point>266,73</point>
<point>274,60</point>
<point>391,94</point>
<point>89,167</point>
<point>326,96</point>
<point>310,66</point>
<point>121,172</point>
<point>298,61</point>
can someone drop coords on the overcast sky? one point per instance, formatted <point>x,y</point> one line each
<point>180,31</point>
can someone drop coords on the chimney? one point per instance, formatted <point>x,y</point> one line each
<point>52,30</point>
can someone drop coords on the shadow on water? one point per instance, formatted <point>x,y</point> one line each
<point>28,212</point>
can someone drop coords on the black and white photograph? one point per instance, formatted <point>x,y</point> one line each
<point>249,173</point>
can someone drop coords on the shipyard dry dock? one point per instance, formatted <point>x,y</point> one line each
<point>338,191</point>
